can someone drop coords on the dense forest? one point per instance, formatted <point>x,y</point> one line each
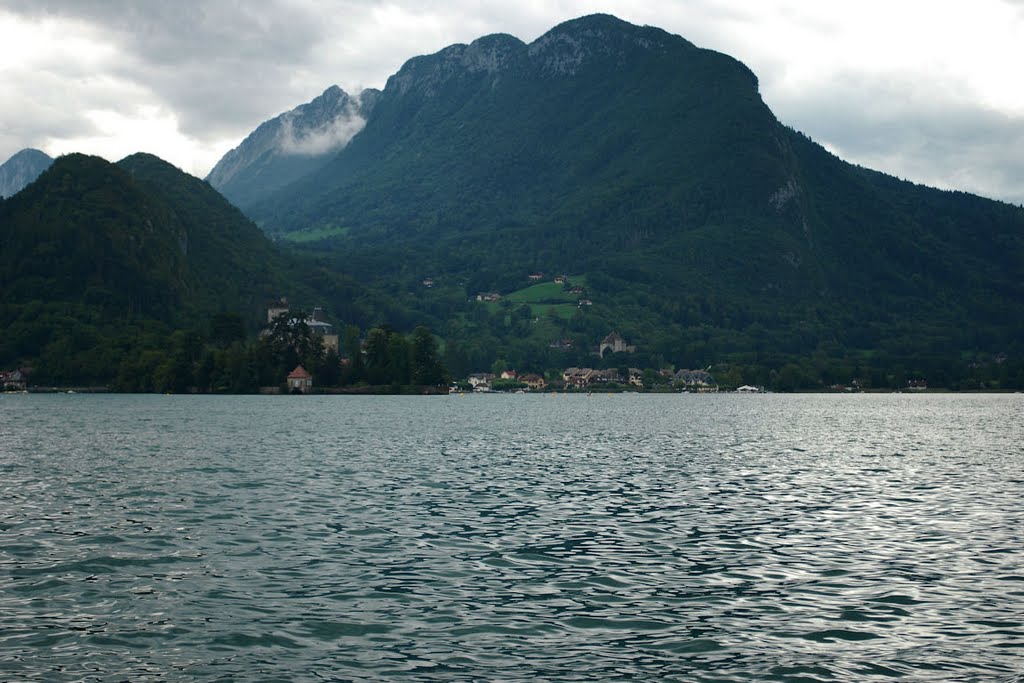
<point>222,359</point>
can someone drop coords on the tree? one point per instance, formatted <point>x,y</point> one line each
<point>328,370</point>
<point>353,348</point>
<point>292,342</point>
<point>226,328</point>
<point>426,367</point>
<point>377,356</point>
<point>399,363</point>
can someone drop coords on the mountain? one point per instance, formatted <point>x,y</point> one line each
<point>101,264</point>
<point>229,263</point>
<point>137,237</point>
<point>291,145</point>
<point>706,229</point>
<point>569,133</point>
<point>21,169</point>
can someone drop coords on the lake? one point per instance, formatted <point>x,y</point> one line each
<point>523,537</point>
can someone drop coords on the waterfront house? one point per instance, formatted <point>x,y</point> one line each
<point>577,378</point>
<point>300,381</point>
<point>695,380</point>
<point>534,382</point>
<point>14,380</point>
<point>605,376</point>
<point>481,381</point>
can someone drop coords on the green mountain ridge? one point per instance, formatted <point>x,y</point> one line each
<point>138,237</point>
<point>101,262</point>
<point>709,230</point>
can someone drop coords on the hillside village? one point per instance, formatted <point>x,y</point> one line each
<point>581,378</point>
<point>300,380</point>
<point>589,379</point>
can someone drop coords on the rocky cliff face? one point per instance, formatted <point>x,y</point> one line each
<point>291,145</point>
<point>21,169</point>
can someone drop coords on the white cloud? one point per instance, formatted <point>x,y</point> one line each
<point>117,134</point>
<point>199,77</point>
<point>331,136</point>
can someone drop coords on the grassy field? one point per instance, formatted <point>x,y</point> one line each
<point>545,298</point>
<point>547,292</point>
<point>314,234</point>
<point>563,311</point>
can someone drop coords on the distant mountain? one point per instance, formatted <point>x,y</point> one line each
<point>100,261</point>
<point>230,265</point>
<point>21,169</point>
<point>138,237</point>
<point>706,228</point>
<point>291,145</point>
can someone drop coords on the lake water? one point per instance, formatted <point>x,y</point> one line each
<point>655,537</point>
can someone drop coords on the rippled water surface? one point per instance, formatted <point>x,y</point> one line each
<point>677,537</point>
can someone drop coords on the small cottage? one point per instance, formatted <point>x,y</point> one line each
<point>300,381</point>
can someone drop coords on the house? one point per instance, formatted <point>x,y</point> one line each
<point>534,382</point>
<point>488,296</point>
<point>277,309</point>
<point>14,380</point>
<point>577,378</point>
<point>316,322</point>
<point>584,302</point>
<point>300,381</point>
<point>605,377</point>
<point>428,282</point>
<point>614,343</point>
<point>481,381</point>
<point>508,374</point>
<point>636,377</point>
<point>561,279</point>
<point>533,277</point>
<point>695,380</point>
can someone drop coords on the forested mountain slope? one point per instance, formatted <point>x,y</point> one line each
<point>100,261</point>
<point>707,229</point>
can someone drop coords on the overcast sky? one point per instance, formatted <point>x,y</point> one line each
<point>928,90</point>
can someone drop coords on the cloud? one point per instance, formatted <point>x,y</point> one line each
<point>201,76</point>
<point>333,135</point>
<point>216,64</point>
<point>915,130</point>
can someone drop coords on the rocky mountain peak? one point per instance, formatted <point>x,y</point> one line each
<point>568,46</point>
<point>292,144</point>
<point>489,54</point>
<point>21,169</point>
